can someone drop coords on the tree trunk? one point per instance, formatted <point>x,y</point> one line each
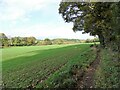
<point>102,40</point>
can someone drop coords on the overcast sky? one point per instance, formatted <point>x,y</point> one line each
<point>38,18</point>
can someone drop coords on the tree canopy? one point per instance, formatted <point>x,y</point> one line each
<point>97,18</point>
<point>16,41</point>
<point>3,40</point>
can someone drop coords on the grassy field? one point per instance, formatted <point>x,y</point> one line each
<point>37,66</point>
<point>13,52</point>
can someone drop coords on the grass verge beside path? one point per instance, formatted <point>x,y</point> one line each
<point>108,73</point>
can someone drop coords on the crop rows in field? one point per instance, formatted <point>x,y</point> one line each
<point>33,71</point>
<point>68,75</point>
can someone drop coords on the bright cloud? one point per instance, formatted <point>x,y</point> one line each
<point>37,18</point>
<point>49,31</point>
<point>16,9</point>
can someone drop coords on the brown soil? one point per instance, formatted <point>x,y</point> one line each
<point>87,80</point>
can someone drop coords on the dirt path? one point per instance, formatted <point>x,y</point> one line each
<point>87,80</point>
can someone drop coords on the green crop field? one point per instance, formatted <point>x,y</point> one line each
<point>41,65</point>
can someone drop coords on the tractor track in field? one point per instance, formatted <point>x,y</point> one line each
<point>87,78</point>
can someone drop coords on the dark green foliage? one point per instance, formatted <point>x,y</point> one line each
<point>95,18</point>
<point>101,19</point>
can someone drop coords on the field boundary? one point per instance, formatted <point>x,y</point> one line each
<point>87,80</point>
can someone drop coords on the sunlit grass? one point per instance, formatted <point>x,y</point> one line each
<point>23,66</point>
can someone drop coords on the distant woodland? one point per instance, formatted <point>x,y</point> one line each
<point>32,41</point>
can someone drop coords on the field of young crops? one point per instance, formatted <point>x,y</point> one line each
<point>37,66</point>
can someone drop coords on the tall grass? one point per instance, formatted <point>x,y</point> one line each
<point>108,72</point>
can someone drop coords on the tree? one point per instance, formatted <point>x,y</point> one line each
<point>3,40</point>
<point>16,41</point>
<point>58,41</point>
<point>47,42</point>
<point>116,26</point>
<point>92,17</point>
<point>31,40</point>
<point>24,41</point>
<point>88,41</point>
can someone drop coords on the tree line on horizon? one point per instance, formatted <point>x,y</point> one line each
<point>32,41</point>
<point>17,41</point>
